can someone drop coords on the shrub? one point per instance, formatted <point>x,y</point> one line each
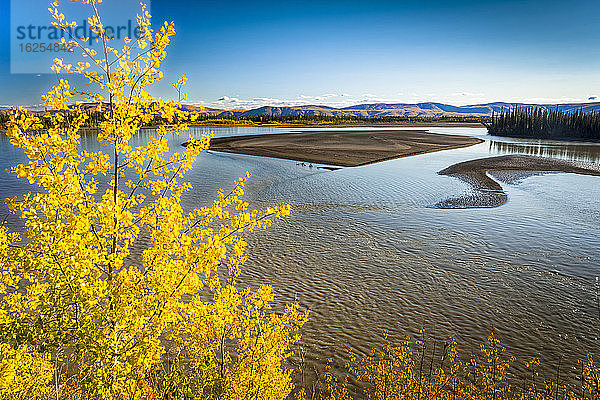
<point>69,286</point>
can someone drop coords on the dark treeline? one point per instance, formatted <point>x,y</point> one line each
<point>329,119</point>
<point>540,123</point>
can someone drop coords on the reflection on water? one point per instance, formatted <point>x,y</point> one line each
<point>567,151</point>
<point>366,254</point>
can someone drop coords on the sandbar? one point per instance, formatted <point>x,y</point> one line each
<point>487,192</point>
<point>342,148</point>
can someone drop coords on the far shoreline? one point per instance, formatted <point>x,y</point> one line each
<point>349,125</point>
<point>399,124</point>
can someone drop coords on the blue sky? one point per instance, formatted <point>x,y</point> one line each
<point>247,54</point>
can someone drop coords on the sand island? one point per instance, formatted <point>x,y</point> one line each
<point>343,148</point>
<point>487,192</point>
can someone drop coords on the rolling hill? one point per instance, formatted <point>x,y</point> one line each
<point>404,110</point>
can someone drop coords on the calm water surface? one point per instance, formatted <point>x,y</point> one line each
<point>365,252</point>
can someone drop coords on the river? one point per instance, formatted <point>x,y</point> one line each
<point>366,251</point>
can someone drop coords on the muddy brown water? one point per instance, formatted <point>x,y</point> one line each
<point>365,251</point>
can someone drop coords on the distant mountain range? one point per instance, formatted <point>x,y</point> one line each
<point>384,110</point>
<point>399,110</point>
<point>393,110</point>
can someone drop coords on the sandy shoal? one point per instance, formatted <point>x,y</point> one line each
<point>342,148</point>
<point>487,192</point>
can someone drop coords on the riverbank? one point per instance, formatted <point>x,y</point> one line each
<point>342,148</point>
<point>489,193</point>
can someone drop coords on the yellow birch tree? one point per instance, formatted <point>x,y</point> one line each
<point>70,292</point>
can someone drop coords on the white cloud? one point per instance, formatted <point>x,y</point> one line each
<point>32,107</point>
<point>340,100</point>
<point>227,99</point>
<point>326,99</point>
<point>550,100</point>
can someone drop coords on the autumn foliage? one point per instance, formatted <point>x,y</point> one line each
<point>79,317</point>
<point>403,371</point>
